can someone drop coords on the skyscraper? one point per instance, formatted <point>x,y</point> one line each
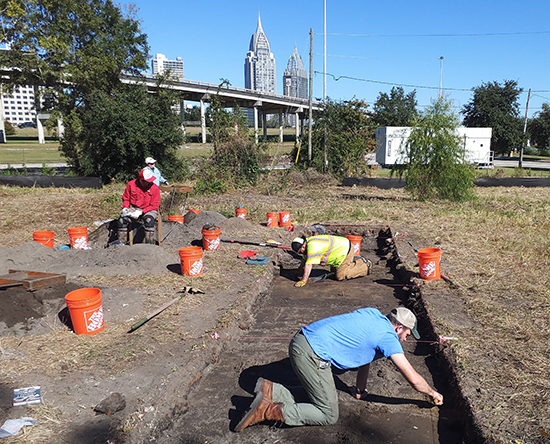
<point>295,82</point>
<point>161,64</point>
<point>259,65</point>
<point>295,77</point>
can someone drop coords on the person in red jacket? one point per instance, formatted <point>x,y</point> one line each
<point>141,200</point>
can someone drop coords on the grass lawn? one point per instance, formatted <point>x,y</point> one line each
<point>23,148</point>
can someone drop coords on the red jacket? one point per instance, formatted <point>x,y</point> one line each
<point>135,197</point>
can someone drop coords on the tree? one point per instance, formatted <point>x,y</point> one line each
<point>71,47</point>
<point>496,106</point>
<point>397,109</point>
<point>73,52</point>
<point>236,158</point>
<point>193,114</point>
<point>539,130</point>
<point>112,137</point>
<point>436,155</point>
<point>342,134</point>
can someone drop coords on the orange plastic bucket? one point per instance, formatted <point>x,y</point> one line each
<point>272,219</point>
<point>356,244</point>
<point>211,239</point>
<point>429,260</point>
<point>240,212</point>
<point>44,237</point>
<point>79,238</point>
<point>194,211</point>
<point>176,217</point>
<point>284,219</point>
<point>191,261</point>
<point>86,310</point>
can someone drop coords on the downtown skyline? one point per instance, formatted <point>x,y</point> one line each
<point>370,47</point>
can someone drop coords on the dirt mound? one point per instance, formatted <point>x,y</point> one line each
<point>124,260</point>
<point>185,235</point>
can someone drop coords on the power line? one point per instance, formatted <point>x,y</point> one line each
<point>443,35</point>
<point>390,83</point>
<point>336,78</point>
<point>349,57</point>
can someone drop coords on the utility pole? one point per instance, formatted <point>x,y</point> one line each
<point>325,56</point>
<point>310,93</point>
<point>524,129</point>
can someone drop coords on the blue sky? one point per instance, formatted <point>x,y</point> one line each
<point>370,45</point>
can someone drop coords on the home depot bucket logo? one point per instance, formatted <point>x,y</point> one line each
<point>286,218</point>
<point>80,243</point>
<point>196,268</point>
<point>94,319</point>
<point>428,269</point>
<point>356,250</point>
<point>242,215</point>
<point>213,244</point>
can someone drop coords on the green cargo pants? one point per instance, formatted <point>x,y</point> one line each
<point>316,377</point>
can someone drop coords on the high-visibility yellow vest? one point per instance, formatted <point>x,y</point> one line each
<point>327,250</point>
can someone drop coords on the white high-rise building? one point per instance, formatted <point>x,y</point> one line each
<point>295,77</point>
<point>259,65</point>
<point>19,105</point>
<point>160,64</point>
<point>295,81</point>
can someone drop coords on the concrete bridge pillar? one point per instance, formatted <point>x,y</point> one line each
<point>256,121</point>
<point>280,127</point>
<point>40,127</point>
<point>203,122</point>
<point>60,128</point>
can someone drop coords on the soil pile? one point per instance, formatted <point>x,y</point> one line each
<point>123,260</point>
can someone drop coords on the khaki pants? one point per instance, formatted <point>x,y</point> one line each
<point>350,268</point>
<point>317,381</point>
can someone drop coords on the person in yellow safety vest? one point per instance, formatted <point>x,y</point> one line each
<point>335,251</point>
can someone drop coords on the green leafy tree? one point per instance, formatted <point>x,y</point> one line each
<point>342,134</point>
<point>496,106</point>
<point>436,167</point>
<point>74,51</point>
<point>71,47</point>
<point>395,109</point>
<point>193,114</point>
<point>539,130</point>
<point>117,131</point>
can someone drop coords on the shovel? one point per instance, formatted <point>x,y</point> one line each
<point>273,244</point>
<point>164,307</point>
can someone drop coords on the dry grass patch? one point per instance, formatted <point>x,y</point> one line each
<point>496,249</point>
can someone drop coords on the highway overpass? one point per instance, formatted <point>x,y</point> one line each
<point>261,103</point>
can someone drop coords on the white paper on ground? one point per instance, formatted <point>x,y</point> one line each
<point>12,426</point>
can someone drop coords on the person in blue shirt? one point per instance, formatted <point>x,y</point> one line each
<point>346,341</point>
<point>151,165</point>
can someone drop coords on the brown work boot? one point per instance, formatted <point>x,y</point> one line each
<point>260,410</point>
<point>266,387</point>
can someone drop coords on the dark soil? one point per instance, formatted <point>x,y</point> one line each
<point>179,384</point>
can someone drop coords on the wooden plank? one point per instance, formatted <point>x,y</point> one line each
<point>31,280</point>
<point>176,187</point>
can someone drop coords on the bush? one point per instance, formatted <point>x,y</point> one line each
<point>8,128</point>
<point>437,168</point>
<point>341,136</point>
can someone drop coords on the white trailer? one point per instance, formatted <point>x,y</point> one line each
<point>392,140</point>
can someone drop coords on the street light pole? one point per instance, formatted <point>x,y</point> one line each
<point>441,76</point>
